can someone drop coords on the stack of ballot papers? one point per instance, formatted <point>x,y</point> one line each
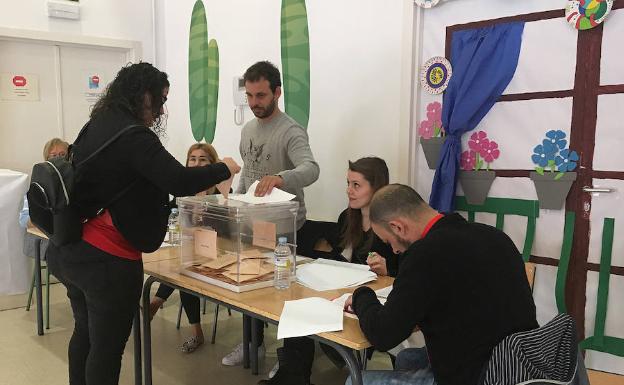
<point>382,296</point>
<point>324,274</point>
<point>309,316</point>
<point>275,196</point>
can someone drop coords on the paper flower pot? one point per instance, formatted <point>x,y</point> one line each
<point>476,185</point>
<point>552,193</point>
<point>432,147</point>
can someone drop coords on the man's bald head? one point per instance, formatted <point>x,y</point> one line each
<point>394,201</point>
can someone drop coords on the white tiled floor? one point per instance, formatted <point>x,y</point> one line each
<point>28,359</point>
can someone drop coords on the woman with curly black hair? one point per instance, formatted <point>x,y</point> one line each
<point>123,195</point>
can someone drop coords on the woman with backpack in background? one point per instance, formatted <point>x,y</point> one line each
<point>123,193</point>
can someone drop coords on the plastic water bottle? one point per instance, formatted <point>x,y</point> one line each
<point>282,265</point>
<point>174,227</point>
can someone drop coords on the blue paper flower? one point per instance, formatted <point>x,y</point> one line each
<point>566,160</point>
<point>543,153</point>
<point>557,138</point>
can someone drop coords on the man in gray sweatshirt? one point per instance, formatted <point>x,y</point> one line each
<point>274,147</point>
<point>276,152</point>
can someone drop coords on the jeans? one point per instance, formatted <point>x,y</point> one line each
<point>104,292</point>
<point>412,369</point>
<point>391,377</point>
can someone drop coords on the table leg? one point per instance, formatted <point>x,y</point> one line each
<point>355,370</point>
<point>38,286</point>
<point>254,346</point>
<point>147,332</point>
<point>246,339</point>
<point>136,332</point>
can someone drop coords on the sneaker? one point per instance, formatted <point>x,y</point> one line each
<point>235,357</point>
<point>274,370</point>
<point>190,345</point>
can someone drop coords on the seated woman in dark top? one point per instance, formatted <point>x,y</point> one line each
<point>352,240</point>
<point>198,155</point>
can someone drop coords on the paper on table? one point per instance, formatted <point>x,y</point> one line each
<point>309,316</point>
<point>275,196</point>
<point>322,276</point>
<point>343,264</point>
<point>343,298</point>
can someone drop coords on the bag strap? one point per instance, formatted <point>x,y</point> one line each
<point>119,195</point>
<point>107,143</point>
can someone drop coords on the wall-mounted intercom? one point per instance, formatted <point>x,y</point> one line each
<point>240,99</point>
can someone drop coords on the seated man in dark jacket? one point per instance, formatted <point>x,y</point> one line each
<point>463,284</point>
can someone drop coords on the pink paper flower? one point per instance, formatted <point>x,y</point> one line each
<point>489,151</point>
<point>426,129</point>
<point>468,160</point>
<point>476,140</point>
<point>434,113</point>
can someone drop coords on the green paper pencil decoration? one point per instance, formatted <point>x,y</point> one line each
<point>203,74</point>
<point>213,90</point>
<point>296,60</point>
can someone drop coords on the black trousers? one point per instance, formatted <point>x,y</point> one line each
<point>190,303</point>
<point>104,292</point>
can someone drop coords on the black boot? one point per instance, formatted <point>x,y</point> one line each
<point>290,370</point>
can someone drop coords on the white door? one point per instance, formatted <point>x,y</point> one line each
<point>25,125</point>
<point>85,73</point>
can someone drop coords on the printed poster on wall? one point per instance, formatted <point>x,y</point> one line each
<point>19,86</point>
<point>93,85</point>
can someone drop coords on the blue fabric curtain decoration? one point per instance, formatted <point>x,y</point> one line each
<point>484,61</point>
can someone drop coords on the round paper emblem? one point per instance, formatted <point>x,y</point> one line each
<point>435,74</point>
<point>586,14</point>
<point>426,3</point>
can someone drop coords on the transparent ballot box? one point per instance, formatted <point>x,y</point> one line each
<point>230,244</point>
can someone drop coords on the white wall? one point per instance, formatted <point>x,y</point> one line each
<point>115,19</point>
<point>356,69</point>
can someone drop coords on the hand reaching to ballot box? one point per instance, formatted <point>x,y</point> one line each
<point>231,165</point>
<point>377,264</point>
<point>267,183</point>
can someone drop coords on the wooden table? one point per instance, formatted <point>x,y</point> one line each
<point>39,296</point>
<point>257,306</point>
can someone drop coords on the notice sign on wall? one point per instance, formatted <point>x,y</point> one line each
<point>93,86</point>
<point>19,86</point>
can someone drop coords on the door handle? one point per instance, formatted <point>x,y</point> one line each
<point>589,189</point>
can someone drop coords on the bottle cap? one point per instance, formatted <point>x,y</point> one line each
<point>282,240</point>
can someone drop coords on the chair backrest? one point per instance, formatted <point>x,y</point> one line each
<point>599,341</point>
<point>564,261</point>
<point>546,354</point>
<point>502,207</point>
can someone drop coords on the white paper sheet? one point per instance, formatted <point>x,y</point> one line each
<point>383,292</point>
<point>340,301</point>
<point>275,196</point>
<point>309,316</point>
<point>320,275</point>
